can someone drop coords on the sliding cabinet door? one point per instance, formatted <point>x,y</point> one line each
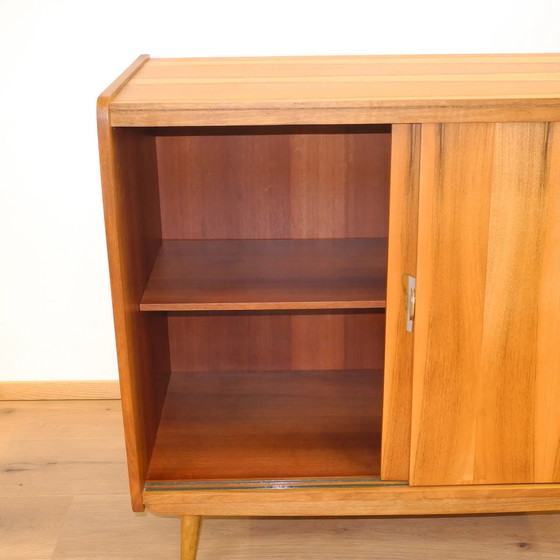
<point>486,378</point>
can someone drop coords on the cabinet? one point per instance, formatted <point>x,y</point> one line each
<point>267,221</point>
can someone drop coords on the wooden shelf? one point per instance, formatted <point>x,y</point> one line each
<point>268,274</point>
<point>269,425</point>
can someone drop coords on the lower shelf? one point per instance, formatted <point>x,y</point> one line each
<point>269,426</point>
<point>191,275</point>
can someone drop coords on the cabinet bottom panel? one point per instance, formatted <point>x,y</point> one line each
<point>272,425</point>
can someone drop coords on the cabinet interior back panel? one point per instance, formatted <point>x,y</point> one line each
<point>274,341</point>
<point>274,182</point>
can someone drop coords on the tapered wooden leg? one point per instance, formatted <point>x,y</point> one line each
<point>190,528</point>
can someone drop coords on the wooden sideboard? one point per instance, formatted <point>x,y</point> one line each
<point>336,283</point>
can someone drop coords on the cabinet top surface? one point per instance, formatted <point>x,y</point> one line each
<point>360,88</point>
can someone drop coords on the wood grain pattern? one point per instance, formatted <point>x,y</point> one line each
<point>485,386</point>
<point>103,113</point>
<point>486,382</point>
<point>26,531</point>
<point>505,537</point>
<point>396,89</point>
<point>268,274</point>
<point>403,229</point>
<point>101,527</point>
<point>190,530</point>
<point>547,384</point>
<point>269,425</point>
<point>516,111</point>
<point>456,168</point>
<point>58,390</point>
<point>60,448</point>
<point>276,341</point>
<point>133,227</point>
<point>274,182</point>
<point>95,523</point>
<point>59,420</point>
<point>385,500</point>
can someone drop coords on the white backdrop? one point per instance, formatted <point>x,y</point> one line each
<point>57,55</point>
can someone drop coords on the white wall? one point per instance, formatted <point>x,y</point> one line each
<point>57,55</point>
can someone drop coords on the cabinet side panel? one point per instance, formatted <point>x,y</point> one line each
<point>403,223</point>
<point>486,377</point>
<point>131,203</point>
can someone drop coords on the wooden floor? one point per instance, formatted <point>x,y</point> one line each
<point>63,495</point>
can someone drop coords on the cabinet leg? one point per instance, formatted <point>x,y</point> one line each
<point>190,528</point>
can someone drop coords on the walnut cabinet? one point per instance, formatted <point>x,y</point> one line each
<point>336,283</point>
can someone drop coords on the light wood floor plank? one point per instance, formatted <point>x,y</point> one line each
<point>103,528</point>
<point>29,527</point>
<point>499,537</point>
<point>24,420</point>
<point>61,448</point>
<point>60,467</point>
